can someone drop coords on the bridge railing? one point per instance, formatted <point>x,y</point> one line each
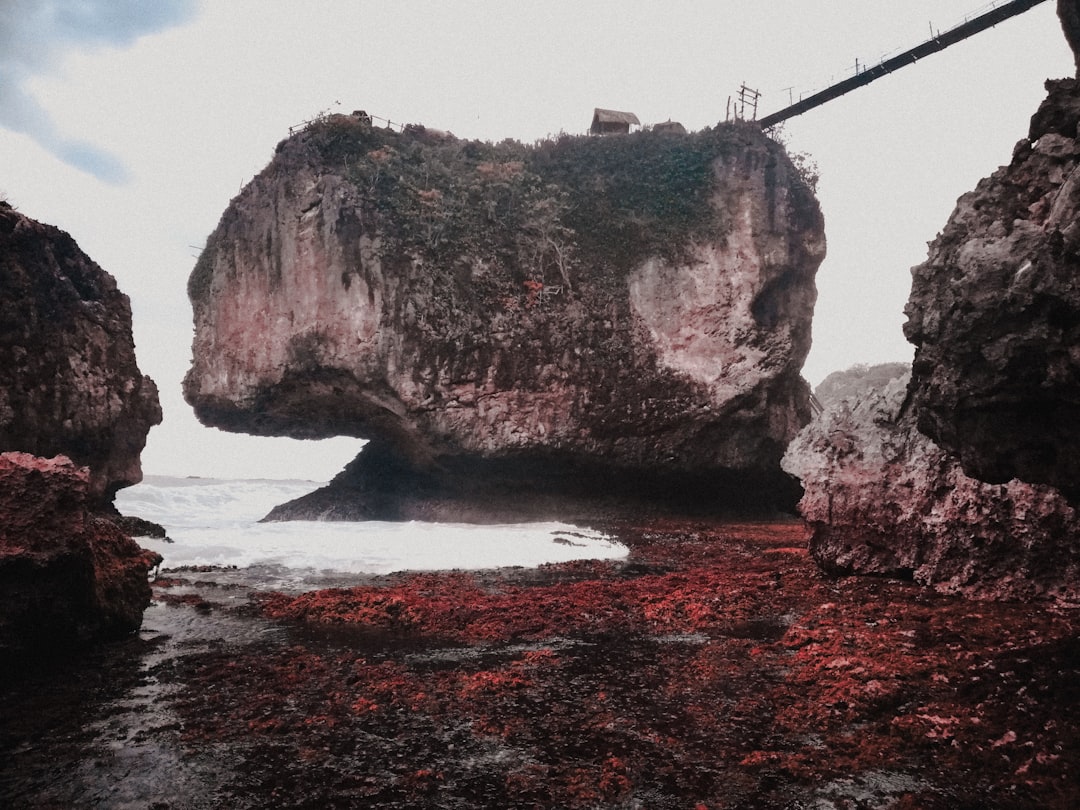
<point>323,114</point>
<point>995,12</point>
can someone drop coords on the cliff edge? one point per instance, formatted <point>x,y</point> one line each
<point>585,317</point>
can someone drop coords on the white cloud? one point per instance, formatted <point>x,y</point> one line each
<point>34,37</point>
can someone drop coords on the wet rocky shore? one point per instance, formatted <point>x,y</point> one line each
<point>716,667</point>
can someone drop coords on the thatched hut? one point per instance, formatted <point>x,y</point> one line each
<point>670,127</point>
<point>612,122</point>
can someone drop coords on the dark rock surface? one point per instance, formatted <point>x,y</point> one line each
<point>1069,14</point>
<point>69,383</point>
<point>881,498</point>
<point>68,575</point>
<point>506,323</point>
<point>375,485</point>
<point>994,311</point>
<point>966,477</point>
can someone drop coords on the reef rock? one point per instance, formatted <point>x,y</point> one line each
<point>994,311</point>
<point>69,383</point>
<point>881,498</point>
<point>588,316</point>
<point>68,575</point>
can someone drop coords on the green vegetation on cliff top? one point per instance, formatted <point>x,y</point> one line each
<point>608,201</point>
<point>540,211</point>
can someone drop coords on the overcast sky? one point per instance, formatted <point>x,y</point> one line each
<point>132,124</point>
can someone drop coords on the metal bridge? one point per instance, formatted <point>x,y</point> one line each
<point>939,42</point>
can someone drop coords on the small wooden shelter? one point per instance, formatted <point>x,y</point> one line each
<point>671,127</point>
<point>612,122</point>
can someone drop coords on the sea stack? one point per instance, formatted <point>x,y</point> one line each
<point>516,328</point>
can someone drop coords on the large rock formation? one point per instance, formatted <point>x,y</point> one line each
<point>69,383</point>
<point>67,575</point>
<point>995,310</point>
<point>962,477</point>
<point>882,498</point>
<point>69,389</point>
<point>589,316</point>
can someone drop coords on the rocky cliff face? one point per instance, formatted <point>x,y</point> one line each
<point>69,383</point>
<point>625,313</point>
<point>69,389</point>
<point>995,310</point>
<point>883,499</point>
<point>68,576</point>
<point>966,476</point>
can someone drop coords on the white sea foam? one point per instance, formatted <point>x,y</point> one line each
<point>215,522</point>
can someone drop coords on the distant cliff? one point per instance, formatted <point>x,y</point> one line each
<point>586,315</point>
<point>69,383</point>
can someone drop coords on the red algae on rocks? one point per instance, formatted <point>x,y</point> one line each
<point>454,607</point>
<point>716,667</point>
<point>68,576</point>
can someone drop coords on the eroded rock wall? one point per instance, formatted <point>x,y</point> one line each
<point>994,311</point>
<point>636,308</point>
<point>882,499</point>
<point>68,575</point>
<point>69,382</point>
<point>74,414</point>
<point>966,476</point>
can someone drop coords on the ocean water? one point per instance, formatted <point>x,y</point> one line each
<point>214,522</point>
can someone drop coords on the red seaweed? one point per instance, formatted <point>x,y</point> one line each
<point>715,668</point>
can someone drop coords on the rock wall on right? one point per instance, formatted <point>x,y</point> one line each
<point>883,499</point>
<point>994,311</point>
<point>965,476</point>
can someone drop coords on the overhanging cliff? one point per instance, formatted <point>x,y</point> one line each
<point>631,310</point>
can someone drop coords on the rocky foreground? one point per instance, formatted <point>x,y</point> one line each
<point>68,576</point>
<point>883,499</point>
<point>715,668</point>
